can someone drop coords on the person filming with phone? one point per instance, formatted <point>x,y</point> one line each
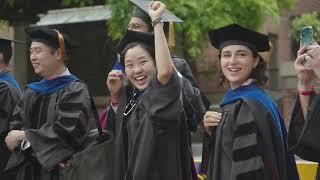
<point>305,125</point>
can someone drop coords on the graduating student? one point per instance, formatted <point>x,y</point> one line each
<point>50,122</point>
<point>303,138</point>
<point>195,102</point>
<point>153,139</point>
<point>9,96</point>
<point>250,137</point>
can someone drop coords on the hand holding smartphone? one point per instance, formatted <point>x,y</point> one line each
<point>306,38</point>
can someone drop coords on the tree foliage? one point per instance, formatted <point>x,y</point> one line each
<point>81,3</point>
<point>308,19</point>
<point>198,16</point>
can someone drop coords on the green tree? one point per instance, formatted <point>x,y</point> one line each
<point>308,19</point>
<point>198,16</point>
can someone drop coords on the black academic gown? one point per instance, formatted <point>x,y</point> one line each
<point>183,67</point>
<point>153,140</point>
<point>55,124</point>
<point>194,101</point>
<point>303,138</point>
<point>246,145</point>
<point>9,97</point>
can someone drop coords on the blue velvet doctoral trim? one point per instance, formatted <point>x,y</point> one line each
<point>50,86</point>
<point>254,92</point>
<point>6,76</point>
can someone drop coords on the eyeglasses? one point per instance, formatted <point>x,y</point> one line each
<point>136,26</point>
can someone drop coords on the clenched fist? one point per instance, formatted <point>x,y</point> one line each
<point>14,138</point>
<point>156,9</point>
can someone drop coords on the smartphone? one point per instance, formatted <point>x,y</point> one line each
<point>306,36</point>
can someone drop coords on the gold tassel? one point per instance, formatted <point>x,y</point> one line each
<point>267,60</point>
<point>171,35</point>
<point>266,55</point>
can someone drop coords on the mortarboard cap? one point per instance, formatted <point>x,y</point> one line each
<point>51,37</point>
<point>138,13</point>
<point>235,34</point>
<point>5,40</point>
<point>6,48</point>
<point>134,36</point>
<point>142,12</point>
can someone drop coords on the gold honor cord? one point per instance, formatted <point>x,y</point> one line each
<point>61,44</point>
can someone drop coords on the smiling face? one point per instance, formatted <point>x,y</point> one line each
<point>45,60</point>
<point>237,63</point>
<point>139,66</point>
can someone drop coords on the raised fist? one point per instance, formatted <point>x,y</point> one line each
<point>156,9</point>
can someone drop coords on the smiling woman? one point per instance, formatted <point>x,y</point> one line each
<point>139,64</point>
<point>237,63</point>
<point>152,140</point>
<point>248,140</point>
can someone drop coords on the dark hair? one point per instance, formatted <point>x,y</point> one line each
<point>144,46</point>
<point>258,73</point>
<point>150,27</point>
<point>53,50</point>
<point>6,53</point>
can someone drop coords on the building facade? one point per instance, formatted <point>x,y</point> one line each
<point>282,77</point>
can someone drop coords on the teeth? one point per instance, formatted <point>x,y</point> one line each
<point>140,78</point>
<point>234,69</point>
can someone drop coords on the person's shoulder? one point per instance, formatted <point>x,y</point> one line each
<point>173,83</point>
<point>256,107</point>
<point>177,59</point>
<point>5,86</point>
<point>247,104</point>
<point>77,85</point>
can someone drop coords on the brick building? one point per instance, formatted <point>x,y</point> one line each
<point>282,81</point>
<point>282,77</point>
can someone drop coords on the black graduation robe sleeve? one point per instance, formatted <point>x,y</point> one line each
<point>303,138</point>
<point>9,96</point>
<point>8,101</point>
<point>192,105</point>
<point>56,141</point>
<point>159,98</point>
<point>247,161</point>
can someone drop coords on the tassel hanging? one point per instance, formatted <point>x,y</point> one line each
<point>267,60</point>
<point>171,40</point>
